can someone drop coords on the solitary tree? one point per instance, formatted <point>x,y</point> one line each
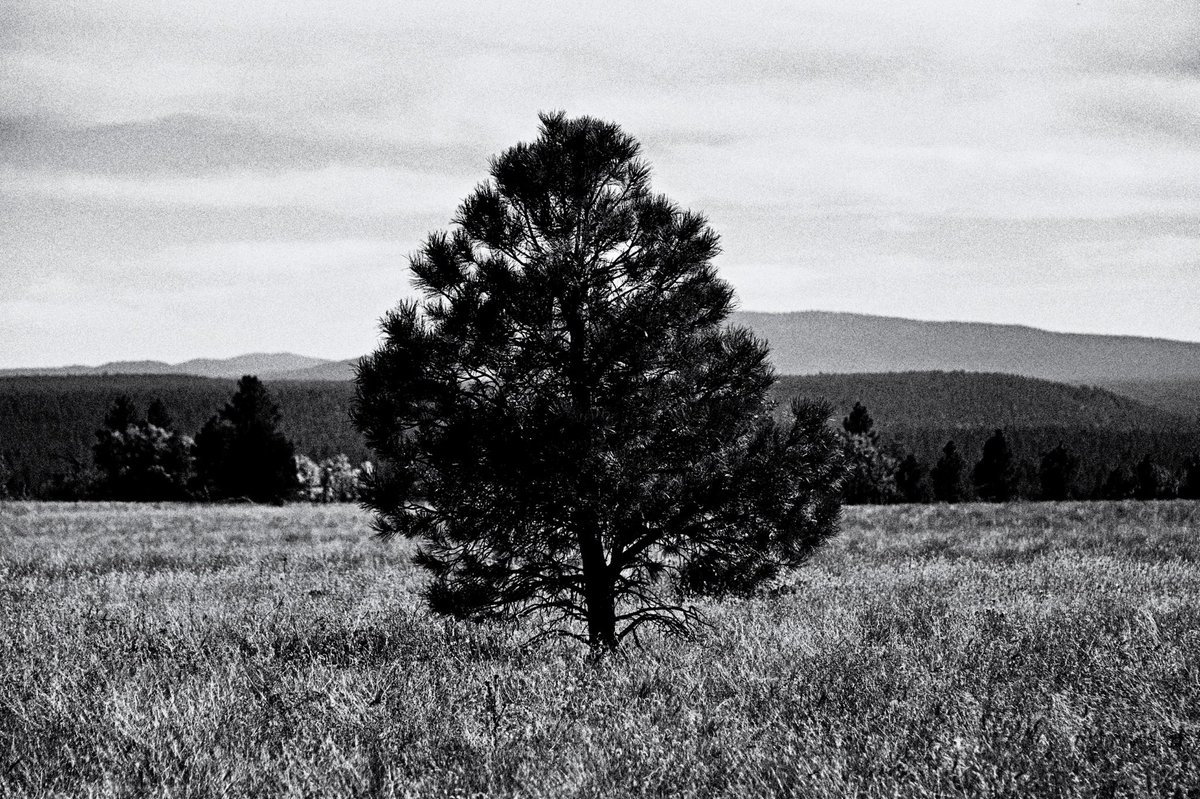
<point>994,476</point>
<point>947,475</point>
<point>564,422</point>
<point>240,452</point>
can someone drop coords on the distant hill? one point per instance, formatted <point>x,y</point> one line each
<point>918,412</point>
<point>1180,396</point>
<point>328,370</point>
<point>978,400</point>
<point>263,364</point>
<point>811,342</point>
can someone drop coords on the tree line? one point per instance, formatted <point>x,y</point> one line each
<point>240,453</point>
<point>881,473</point>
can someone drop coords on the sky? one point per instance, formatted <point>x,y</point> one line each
<point>209,178</point>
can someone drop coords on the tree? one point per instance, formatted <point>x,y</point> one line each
<point>910,480</point>
<point>240,452</point>
<point>141,460</point>
<point>871,473</point>
<point>947,475</point>
<point>859,422</point>
<point>994,476</point>
<point>563,421</point>
<point>1056,473</point>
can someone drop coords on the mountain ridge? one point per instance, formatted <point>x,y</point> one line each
<point>815,342</point>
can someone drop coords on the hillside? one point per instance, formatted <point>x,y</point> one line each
<point>1180,396</point>
<point>968,399</point>
<point>811,342</point>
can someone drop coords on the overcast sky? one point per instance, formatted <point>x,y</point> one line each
<point>209,178</point>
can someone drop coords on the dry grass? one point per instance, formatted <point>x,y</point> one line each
<point>1025,650</point>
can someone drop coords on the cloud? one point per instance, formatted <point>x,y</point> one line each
<point>854,154</point>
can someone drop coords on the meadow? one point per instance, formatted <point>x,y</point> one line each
<point>974,650</point>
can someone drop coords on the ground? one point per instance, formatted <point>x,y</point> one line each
<point>976,650</point>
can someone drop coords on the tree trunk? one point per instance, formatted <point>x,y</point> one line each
<point>598,593</point>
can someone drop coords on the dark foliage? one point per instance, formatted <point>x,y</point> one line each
<point>1190,485</point>
<point>48,423</point>
<point>1153,481</point>
<point>859,422</point>
<point>1122,481</point>
<point>870,472</point>
<point>241,453</point>
<point>1056,474</point>
<point>563,421</point>
<point>954,400</point>
<point>911,485</point>
<point>994,477</point>
<point>947,475</point>
<point>141,460</point>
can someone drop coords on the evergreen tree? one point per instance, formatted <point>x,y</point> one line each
<point>1056,474</point>
<point>994,476</point>
<point>910,480</point>
<point>158,415</point>
<point>947,475</point>
<point>563,420</point>
<point>123,414</point>
<point>139,460</point>
<point>870,472</point>
<point>859,422</point>
<point>240,452</point>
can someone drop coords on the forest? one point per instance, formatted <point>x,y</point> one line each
<point>48,425</point>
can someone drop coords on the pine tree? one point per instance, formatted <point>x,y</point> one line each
<point>141,460</point>
<point>565,422</point>
<point>870,472</point>
<point>947,475</point>
<point>240,452</point>
<point>994,476</point>
<point>859,422</point>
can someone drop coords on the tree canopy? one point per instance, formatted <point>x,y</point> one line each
<point>240,452</point>
<point>564,421</point>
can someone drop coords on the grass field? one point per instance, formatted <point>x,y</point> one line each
<point>1023,650</point>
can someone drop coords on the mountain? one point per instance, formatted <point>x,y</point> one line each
<point>257,363</point>
<point>328,370</point>
<point>809,342</point>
